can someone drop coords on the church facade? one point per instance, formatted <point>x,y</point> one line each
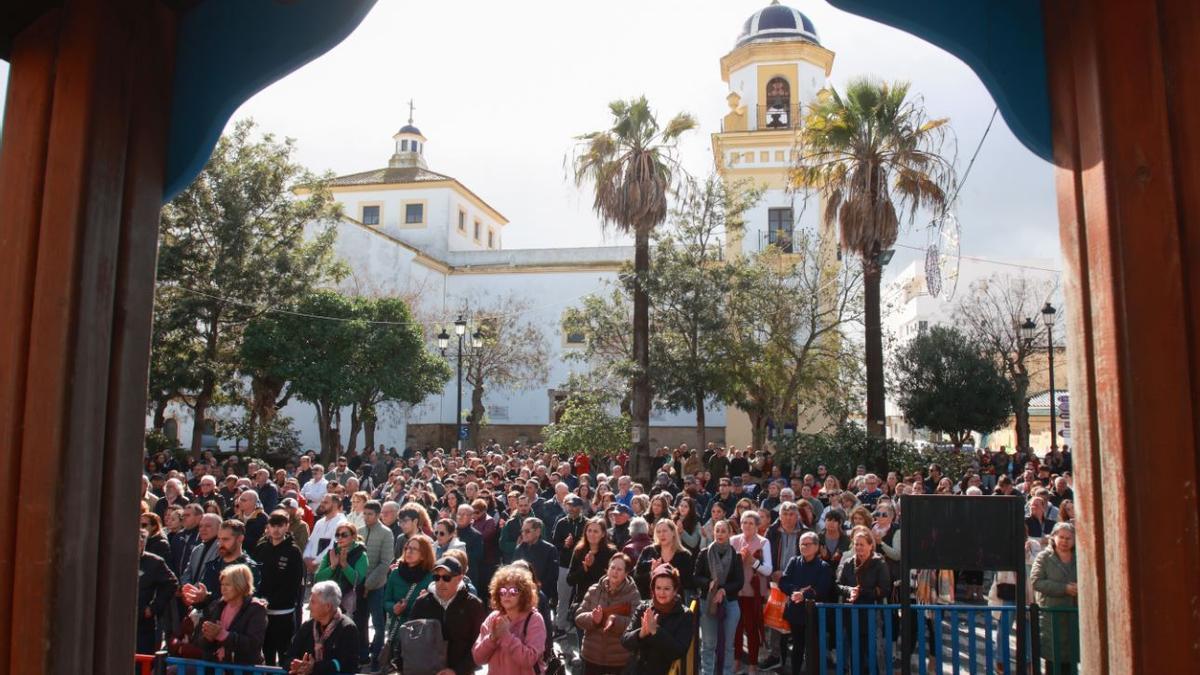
<point>408,230</point>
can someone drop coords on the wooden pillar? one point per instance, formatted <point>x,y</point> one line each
<point>1126,124</point>
<point>81,174</point>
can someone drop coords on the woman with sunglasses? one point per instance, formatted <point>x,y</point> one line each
<point>513,637</point>
<point>156,540</point>
<point>345,563</point>
<point>445,536</point>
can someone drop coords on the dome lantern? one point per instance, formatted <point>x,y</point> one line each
<point>410,145</point>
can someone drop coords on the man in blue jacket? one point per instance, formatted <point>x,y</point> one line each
<point>807,577</point>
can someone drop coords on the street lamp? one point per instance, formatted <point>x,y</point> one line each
<point>1028,329</point>
<point>476,339</point>
<point>1048,313</point>
<point>443,339</point>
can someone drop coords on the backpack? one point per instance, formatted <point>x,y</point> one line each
<point>422,647</point>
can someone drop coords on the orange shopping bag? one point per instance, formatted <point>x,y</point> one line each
<point>773,613</point>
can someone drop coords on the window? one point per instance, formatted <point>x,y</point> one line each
<point>414,213</point>
<point>497,413</point>
<point>462,221</point>
<point>779,228</point>
<point>370,215</point>
<point>478,230</point>
<point>922,326</point>
<point>576,338</point>
<point>491,238</point>
<point>404,146</point>
<point>779,104</point>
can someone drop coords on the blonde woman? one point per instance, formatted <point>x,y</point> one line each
<point>668,549</point>
<point>234,626</point>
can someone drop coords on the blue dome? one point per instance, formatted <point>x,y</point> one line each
<point>410,129</point>
<point>777,22</point>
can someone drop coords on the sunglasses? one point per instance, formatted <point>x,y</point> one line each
<point>442,533</point>
<point>443,577</point>
<point>506,592</point>
<point>881,514</point>
<point>344,535</point>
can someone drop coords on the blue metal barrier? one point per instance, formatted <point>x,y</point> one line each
<point>869,639</point>
<point>194,667</point>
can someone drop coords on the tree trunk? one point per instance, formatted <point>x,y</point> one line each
<point>701,425</point>
<point>355,427</point>
<point>876,415</point>
<point>369,432</point>
<point>325,430</point>
<point>199,409</point>
<point>476,417</point>
<point>160,414</point>
<point>639,459</point>
<point>758,429</point>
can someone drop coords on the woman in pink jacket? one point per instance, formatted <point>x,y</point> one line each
<point>513,636</point>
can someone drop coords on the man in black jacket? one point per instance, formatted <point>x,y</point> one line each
<point>328,642</point>
<point>464,519</point>
<point>807,577</point>
<point>460,614</point>
<point>186,539</point>
<point>156,587</point>
<point>567,533</point>
<point>282,569</point>
<point>541,555</point>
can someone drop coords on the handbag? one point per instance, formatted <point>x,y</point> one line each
<point>180,643</point>
<point>773,611</point>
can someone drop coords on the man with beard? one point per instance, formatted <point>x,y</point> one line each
<point>323,531</point>
<point>229,552</point>
<point>510,534</point>
<point>464,520</point>
<point>282,569</point>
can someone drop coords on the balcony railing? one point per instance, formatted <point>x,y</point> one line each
<point>775,118</point>
<point>784,240</point>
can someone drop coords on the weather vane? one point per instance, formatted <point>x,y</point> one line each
<point>411,107</point>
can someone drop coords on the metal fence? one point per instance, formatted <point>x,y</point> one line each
<point>872,639</point>
<point>157,664</point>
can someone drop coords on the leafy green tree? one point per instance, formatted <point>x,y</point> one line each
<point>632,167</point>
<point>873,157</point>
<point>844,447</point>
<point>390,364</point>
<point>604,319</point>
<point>587,425</point>
<point>231,245</point>
<point>947,384</point>
<point>689,286</point>
<point>513,354</point>
<point>368,353</point>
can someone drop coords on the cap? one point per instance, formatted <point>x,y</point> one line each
<point>290,503</point>
<point>576,501</point>
<point>450,564</point>
<point>157,476</point>
<point>621,508</point>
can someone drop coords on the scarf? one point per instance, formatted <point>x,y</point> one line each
<point>320,636</point>
<point>720,561</point>
<point>411,575</point>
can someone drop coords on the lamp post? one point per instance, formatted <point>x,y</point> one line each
<point>1028,332</point>
<point>443,338</point>
<point>1048,313</point>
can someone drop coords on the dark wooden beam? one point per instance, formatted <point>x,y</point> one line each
<point>1126,123</point>
<point>85,142</point>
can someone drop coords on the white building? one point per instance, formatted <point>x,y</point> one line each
<point>411,231</point>
<point>909,309</point>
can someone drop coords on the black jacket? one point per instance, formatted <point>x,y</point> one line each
<point>817,575</point>
<point>733,582</point>
<point>655,653</point>
<point>156,585</point>
<point>582,579</point>
<point>682,561</point>
<point>474,543</point>
<point>543,558</point>
<point>282,571</point>
<point>873,580</point>
<point>773,535</point>
<point>210,576</point>
<point>159,546</point>
<point>565,527</point>
<point>461,622</point>
<point>182,543</point>
<point>243,644</point>
<point>341,648</point>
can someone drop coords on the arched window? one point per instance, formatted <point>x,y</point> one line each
<point>779,103</point>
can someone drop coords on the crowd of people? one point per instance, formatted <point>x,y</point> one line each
<point>451,561</point>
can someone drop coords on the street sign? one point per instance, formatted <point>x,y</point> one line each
<point>1065,433</point>
<point>1064,404</point>
<point>462,432</point>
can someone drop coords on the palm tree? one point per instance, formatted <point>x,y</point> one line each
<point>873,156</point>
<point>632,166</point>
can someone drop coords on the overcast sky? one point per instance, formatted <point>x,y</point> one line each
<point>502,87</point>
